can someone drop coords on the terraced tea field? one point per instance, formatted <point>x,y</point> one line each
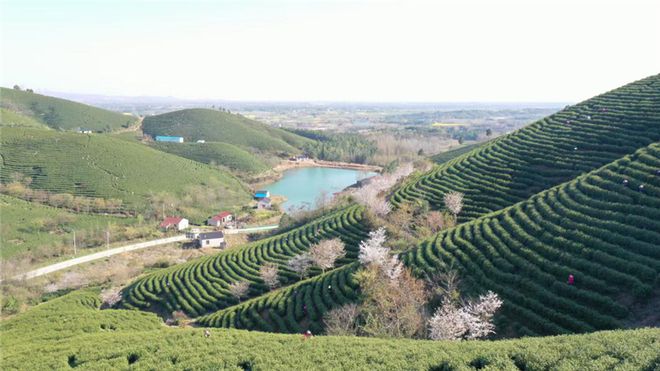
<point>71,332</point>
<point>216,126</point>
<point>201,286</point>
<point>604,232</point>
<point>102,166</point>
<point>551,151</point>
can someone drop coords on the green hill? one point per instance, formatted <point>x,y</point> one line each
<point>71,332</point>
<point>14,119</point>
<point>200,286</point>
<point>103,166</point>
<point>548,152</point>
<point>234,158</point>
<point>602,231</point>
<point>61,113</point>
<point>217,126</point>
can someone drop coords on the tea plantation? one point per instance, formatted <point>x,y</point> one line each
<point>102,166</point>
<point>234,158</point>
<point>546,153</point>
<point>201,286</point>
<point>604,232</point>
<point>217,126</point>
<point>71,332</point>
<point>61,113</point>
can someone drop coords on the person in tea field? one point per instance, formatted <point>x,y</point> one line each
<point>571,279</point>
<point>307,335</point>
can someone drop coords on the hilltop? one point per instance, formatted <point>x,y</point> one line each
<point>62,114</point>
<point>71,331</point>
<point>106,167</point>
<point>217,126</point>
<point>546,153</point>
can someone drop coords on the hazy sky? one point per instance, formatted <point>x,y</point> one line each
<point>334,50</point>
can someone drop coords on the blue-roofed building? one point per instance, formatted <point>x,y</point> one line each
<point>261,194</point>
<point>163,138</point>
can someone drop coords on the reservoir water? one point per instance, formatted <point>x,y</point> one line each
<point>302,186</point>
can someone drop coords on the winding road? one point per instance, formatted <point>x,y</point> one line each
<point>99,255</point>
<point>118,250</point>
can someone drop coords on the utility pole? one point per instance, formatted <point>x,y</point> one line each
<point>74,243</point>
<point>163,210</point>
<point>107,237</point>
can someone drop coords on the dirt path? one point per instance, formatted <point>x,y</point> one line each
<point>99,255</point>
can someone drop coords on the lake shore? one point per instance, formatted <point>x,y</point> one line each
<point>276,172</point>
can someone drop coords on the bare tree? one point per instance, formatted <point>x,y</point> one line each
<point>342,321</point>
<point>239,289</point>
<point>325,253</point>
<point>268,273</point>
<point>301,264</point>
<point>470,321</point>
<point>454,202</point>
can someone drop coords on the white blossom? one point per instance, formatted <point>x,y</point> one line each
<point>372,249</point>
<point>454,202</point>
<point>471,321</point>
<point>325,253</point>
<point>268,274</point>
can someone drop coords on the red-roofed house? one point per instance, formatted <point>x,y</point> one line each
<point>220,219</point>
<point>174,222</point>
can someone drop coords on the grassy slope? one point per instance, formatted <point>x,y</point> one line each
<point>548,152</point>
<point>10,118</point>
<point>594,227</point>
<point>216,126</point>
<point>225,154</point>
<point>103,166</point>
<point>61,113</point>
<point>71,332</point>
<point>20,219</point>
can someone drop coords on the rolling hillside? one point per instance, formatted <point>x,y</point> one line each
<point>24,223</point>
<point>228,155</point>
<point>595,227</point>
<point>71,332</point>
<point>10,118</point>
<point>61,113</point>
<point>103,166</point>
<point>200,286</point>
<point>217,126</point>
<point>548,152</point>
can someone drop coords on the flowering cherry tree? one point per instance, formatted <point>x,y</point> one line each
<point>470,321</point>
<point>268,274</point>
<point>325,253</point>
<point>454,202</point>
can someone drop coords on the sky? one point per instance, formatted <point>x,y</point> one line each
<point>375,51</point>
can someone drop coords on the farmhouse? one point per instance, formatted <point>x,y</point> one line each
<point>261,194</point>
<point>84,131</point>
<point>220,219</point>
<point>211,239</point>
<point>163,138</point>
<point>264,204</point>
<point>174,222</point>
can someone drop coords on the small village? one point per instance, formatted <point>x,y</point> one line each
<point>213,233</point>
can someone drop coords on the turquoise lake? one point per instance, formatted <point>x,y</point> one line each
<point>302,186</point>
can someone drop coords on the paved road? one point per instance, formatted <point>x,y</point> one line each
<point>99,255</point>
<point>250,230</point>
